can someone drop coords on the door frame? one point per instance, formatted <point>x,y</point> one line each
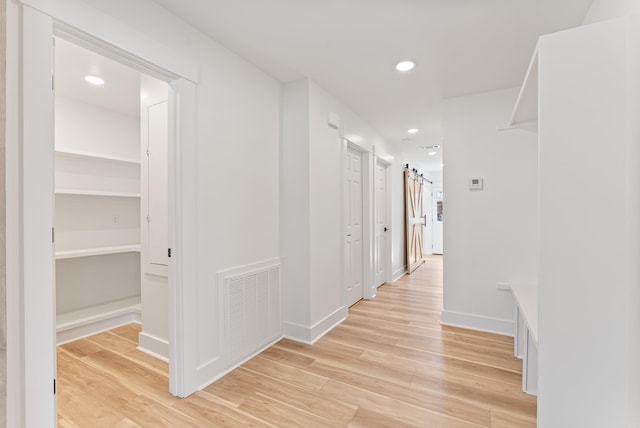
<point>368,291</point>
<point>32,322</point>
<point>388,277</point>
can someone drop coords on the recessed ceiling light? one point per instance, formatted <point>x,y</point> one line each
<point>405,65</point>
<point>413,131</point>
<point>432,153</point>
<point>94,80</point>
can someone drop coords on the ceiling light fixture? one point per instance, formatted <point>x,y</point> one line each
<point>405,65</point>
<point>413,131</point>
<point>432,153</point>
<point>94,80</point>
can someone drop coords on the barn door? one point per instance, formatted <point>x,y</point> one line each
<point>415,219</point>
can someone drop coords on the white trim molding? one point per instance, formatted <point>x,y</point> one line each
<point>311,334</point>
<point>74,17</point>
<point>87,322</point>
<point>399,273</point>
<point>154,346</point>
<point>477,322</point>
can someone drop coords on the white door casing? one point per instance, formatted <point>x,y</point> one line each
<point>34,319</point>
<point>36,222</point>
<point>381,224</point>
<point>353,219</point>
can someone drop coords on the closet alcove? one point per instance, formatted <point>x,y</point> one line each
<point>110,199</point>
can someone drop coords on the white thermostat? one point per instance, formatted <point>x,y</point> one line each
<point>475,184</point>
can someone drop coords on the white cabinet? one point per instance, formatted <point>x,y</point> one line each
<point>156,185</point>
<point>154,337</point>
<point>583,93</point>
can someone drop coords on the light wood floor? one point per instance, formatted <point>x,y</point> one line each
<point>390,364</point>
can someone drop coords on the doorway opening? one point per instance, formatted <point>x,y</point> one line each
<point>111,203</point>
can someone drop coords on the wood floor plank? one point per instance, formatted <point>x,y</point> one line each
<point>369,419</point>
<point>210,408</point>
<point>298,396</point>
<point>281,414</point>
<point>389,364</point>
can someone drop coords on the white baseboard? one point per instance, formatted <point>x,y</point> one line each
<point>311,334</point>
<point>154,346</point>
<point>478,322</point>
<point>399,273</point>
<point>83,324</point>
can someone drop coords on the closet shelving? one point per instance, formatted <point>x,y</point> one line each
<point>98,251</point>
<point>95,155</point>
<point>103,186</point>
<point>97,219</point>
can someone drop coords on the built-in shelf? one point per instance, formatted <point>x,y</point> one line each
<point>97,193</point>
<point>95,155</point>
<point>525,112</point>
<point>87,252</point>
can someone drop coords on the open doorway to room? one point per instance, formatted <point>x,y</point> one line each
<point>111,224</point>
<point>424,210</point>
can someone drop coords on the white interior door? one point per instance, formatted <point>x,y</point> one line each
<point>381,228</point>
<point>353,226</point>
<point>438,220</point>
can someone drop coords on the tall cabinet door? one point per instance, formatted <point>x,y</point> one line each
<point>157,185</point>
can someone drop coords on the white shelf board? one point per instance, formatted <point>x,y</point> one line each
<point>95,155</point>
<point>97,193</point>
<point>525,112</point>
<point>526,296</point>
<point>87,252</point>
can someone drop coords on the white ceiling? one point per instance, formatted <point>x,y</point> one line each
<point>350,48</point>
<point>121,91</point>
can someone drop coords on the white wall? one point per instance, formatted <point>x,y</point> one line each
<point>490,236</point>
<point>358,131</point>
<point>86,127</point>
<point>311,206</point>
<point>602,10</point>
<point>294,206</point>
